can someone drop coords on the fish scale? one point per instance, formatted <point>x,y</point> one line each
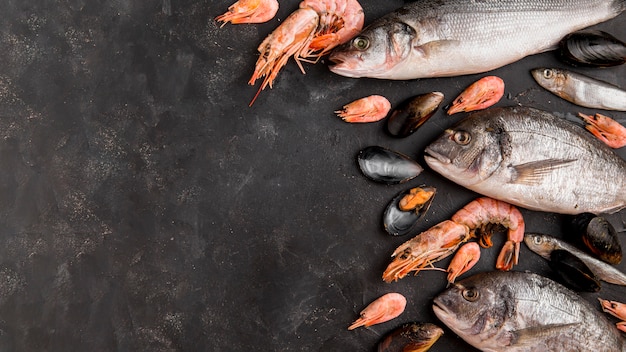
<point>449,38</point>
<point>524,312</point>
<point>532,159</point>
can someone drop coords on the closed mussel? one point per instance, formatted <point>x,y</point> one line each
<point>573,272</point>
<point>412,113</point>
<point>592,48</point>
<point>598,237</point>
<point>387,166</point>
<point>411,337</point>
<point>406,209</point>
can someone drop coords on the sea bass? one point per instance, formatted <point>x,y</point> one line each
<point>532,159</point>
<point>523,312</point>
<point>439,38</point>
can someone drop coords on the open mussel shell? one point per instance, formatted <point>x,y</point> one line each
<point>592,48</point>
<point>411,337</point>
<point>573,272</point>
<point>406,209</point>
<point>598,237</point>
<point>386,166</point>
<point>412,113</point>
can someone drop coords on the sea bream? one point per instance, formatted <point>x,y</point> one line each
<point>440,38</point>
<point>532,159</point>
<point>524,312</point>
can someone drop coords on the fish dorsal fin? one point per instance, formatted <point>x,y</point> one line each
<point>533,172</point>
<point>535,334</point>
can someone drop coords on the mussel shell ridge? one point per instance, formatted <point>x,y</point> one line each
<point>592,48</point>
<point>410,337</point>
<point>597,236</point>
<point>412,113</point>
<point>573,272</point>
<point>386,166</point>
<point>601,239</point>
<point>398,222</point>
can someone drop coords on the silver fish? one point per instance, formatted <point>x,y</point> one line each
<point>544,245</point>
<point>532,159</point>
<point>523,312</point>
<point>439,38</point>
<point>580,89</point>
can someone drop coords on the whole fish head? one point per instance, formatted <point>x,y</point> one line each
<point>476,309</point>
<point>541,244</point>
<point>552,79</point>
<point>469,152</point>
<point>375,52</point>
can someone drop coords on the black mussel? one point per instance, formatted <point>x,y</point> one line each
<point>411,337</point>
<point>598,237</point>
<point>592,48</point>
<point>406,209</point>
<point>412,113</point>
<point>386,166</point>
<point>573,272</point>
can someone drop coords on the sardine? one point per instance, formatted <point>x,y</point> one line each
<point>580,89</point>
<point>544,245</point>
<point>439,38</point>
<point>518,312</point>
<point>532,159</point>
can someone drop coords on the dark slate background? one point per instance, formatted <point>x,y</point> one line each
<point>146,207</point>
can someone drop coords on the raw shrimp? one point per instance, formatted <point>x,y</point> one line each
<point>609,131</point>
<point>444,238</point>
<point>369,109</point>
<point>422,250</point>
<point>307,34</point>
<point>480,214</point>
<point>249,11</point>
<point>617,310</point>
<point>479,95</point>
<point>383,309</point>
<point>465,258</point>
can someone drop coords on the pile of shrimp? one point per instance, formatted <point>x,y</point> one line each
<point>475,220</point>
<point>309,33</point>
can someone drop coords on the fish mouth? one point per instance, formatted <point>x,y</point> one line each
<point>439,309</point>
<point>431,155</point>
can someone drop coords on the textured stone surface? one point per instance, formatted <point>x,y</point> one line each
<point>146,207</point>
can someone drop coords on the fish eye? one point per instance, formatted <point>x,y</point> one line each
<point>361,43</point>
<point>462,137</point>
<point>470,294</point>
<point>537,240</point>
<point>548,74</point>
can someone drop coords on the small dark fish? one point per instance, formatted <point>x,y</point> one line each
<point>412,113</point>
<point>544,245</point>
<point>512,311</point>
<point>592,48</point>
<point>406,209</point>
<point>573,272</point>
<point>387,166</point>
<point>412,337</point>
<point>598,236</point>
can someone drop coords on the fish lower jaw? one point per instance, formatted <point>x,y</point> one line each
<point>431,155</point>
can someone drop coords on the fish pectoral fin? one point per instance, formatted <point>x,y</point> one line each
<point>435,46</point>
<point>536,334</point>
<point>533,172</point>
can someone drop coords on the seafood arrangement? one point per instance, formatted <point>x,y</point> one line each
<point>515,156</point>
